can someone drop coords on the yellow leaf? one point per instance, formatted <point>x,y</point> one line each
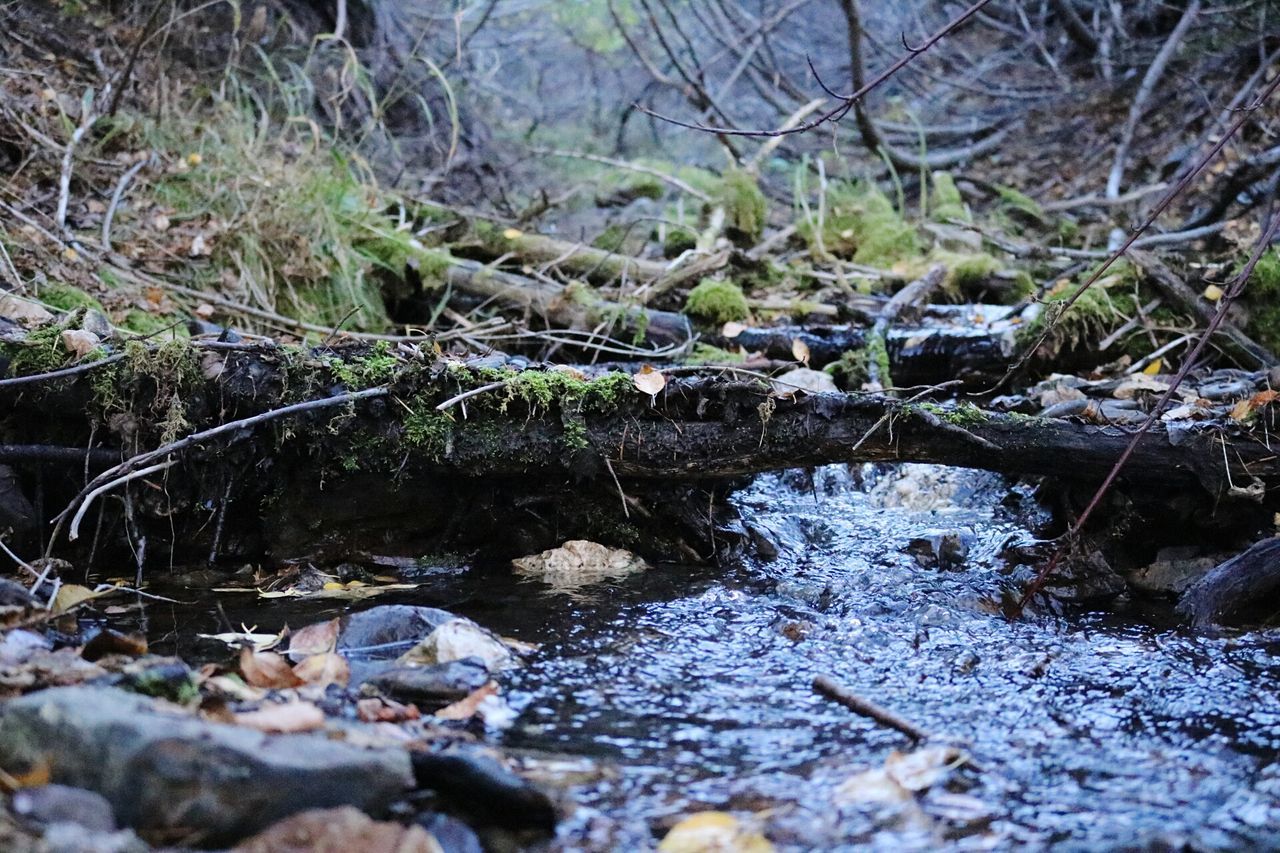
<point>334,585</point>
<point>800,350</point>
<point>713,832</point>
<point>71,595</point>
<point>194,159</point>
<point>1213,293</point>
<point>649,381</point>
<point>1153,369</point>
<point>512,234</point>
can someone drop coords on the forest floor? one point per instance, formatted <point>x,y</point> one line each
<point>377,518</point>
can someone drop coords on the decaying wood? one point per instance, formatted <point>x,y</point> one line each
<point>1241,591</point>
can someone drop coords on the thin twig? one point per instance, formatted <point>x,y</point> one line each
<point>116,196</point>
<point>74,533</point>
<point>866,708</point>
<point>474,392</point>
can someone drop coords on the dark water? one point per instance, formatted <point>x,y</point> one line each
<point>689,689</point>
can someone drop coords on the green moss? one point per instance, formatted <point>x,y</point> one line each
<point>707,354</point>
<point>745,206</point>
<point>612,238</point>
<point>1262,299</point>
<point>67,297</point>
<point>429,431</point>
<point>716,301</point>
<point>41,351</point>
<point>947,203</point>
<point>861,223</point>
<point>1106,305</point>
<point>965,414</point>
<point>850,371</point>
<point>678,241</point>
<point>878,354</point>
<point>146,323</point>
<point>378,367</point>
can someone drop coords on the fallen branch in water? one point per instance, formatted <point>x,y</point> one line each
<point>866,708</point>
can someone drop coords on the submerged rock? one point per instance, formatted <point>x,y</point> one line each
<point>162,769</point>
<point>431,687</point>
<point>484,790</point>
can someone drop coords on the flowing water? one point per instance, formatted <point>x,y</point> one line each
<point>686,689</point>
<point>1091,732</point>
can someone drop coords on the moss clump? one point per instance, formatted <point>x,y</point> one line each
<point>145,323</point>
<point>678,241</point>
<point>40,351</point>
<point>1102,308</point>
<point>947,203</point>
<point>67,297</point>
<point>744,206</point>
<point>1262,299</point>
<point>861,223</point>
<point>965,414</point>
<point>612,239</point>
<point>429,431</point>
<point>707,354</point>
<point>850,371</point>
<point>377,367</point>
<point>717,301</point>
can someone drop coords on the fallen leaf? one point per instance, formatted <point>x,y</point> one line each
<point>713,832</point>
<point>72,595</point>
<point>466,707</point>
<point>1213,293</point>
<point>800,351</point>
<point>318,639</point>
<point>871,786</point>
<point>199,247</point>
<point>1154,368</point>
<point>257,642</point>
<point>649,380</point>
<point>732,329</point>
<point>457,639</point>
<point>267,669</point>
<point>324,669</point>
<point>377,710</point>
<point>283,718</point>
<point>512,234</point>
<point>803,379</point>
<point>79,342</point>
<point>925,767</point>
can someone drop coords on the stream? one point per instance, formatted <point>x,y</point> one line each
<point>687,689</point>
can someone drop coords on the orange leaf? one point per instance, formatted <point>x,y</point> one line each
<point>325,669</point>
<point>289,717</point>
<point>267,669</point>
<point>465,708</point>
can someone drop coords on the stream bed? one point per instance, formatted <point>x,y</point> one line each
<point>686,689</point>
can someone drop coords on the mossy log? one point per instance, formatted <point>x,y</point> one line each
<point>454,454</point>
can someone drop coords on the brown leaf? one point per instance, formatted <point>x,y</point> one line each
<point>79,342</point>
<point>286,718</point>
<point>466,707</point>
<point>649,381</point>
<point>324,669</point>
<point>800,351</point>
<point>318,639</point>
<point>267,670</point>
<point>376,710</point>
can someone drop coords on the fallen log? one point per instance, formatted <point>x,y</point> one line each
<point>453,450</point>
<point>1241,591</point>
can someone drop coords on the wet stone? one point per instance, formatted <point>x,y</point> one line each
<point>943,549</point>
<point>48,804</point>
<point>389,624</point>
<point>162,769</point>
<point>431,687</point>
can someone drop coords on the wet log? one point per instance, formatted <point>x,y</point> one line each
<point>1244,590</point>
<point>972,343</point>
<point>366,442</point>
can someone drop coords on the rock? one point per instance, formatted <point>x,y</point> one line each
<point>14,594</point>
<point>944,549</point>
<point>454,835</point>
<point>803,379</point>
<point>64,804</point>
<point>431,687</point>
<point>162,769</point>
<point>1173,570</point>
<point>484,790</point>
<point>460,639</point>
<point>577,563</point>
<point>390,623</point>
<point>1085,577</point>
<point>74,838</point>
<point>335,830</point>
<point>17,646</point>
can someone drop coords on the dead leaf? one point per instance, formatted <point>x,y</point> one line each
<point>1213,293</point>
<point>457,639</point>
<point>803,379</point>
<point>318,639</point>
<point>732,329</point>
<point>925,767</point>
<point>377,710</point>
<point>267,669</point>
<point>283,718</point>
<point>199,247</point>
<point>324,669</point>
<point>713,832</point>
<point>466,707</point>
<point>79,342</point>
<point>512,234</point>
<point>72,595</point>
<point>246,637</point>
<point>800,351</point>
<point>649,381</point>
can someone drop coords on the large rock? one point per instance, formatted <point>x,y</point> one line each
<point>161,768</point>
